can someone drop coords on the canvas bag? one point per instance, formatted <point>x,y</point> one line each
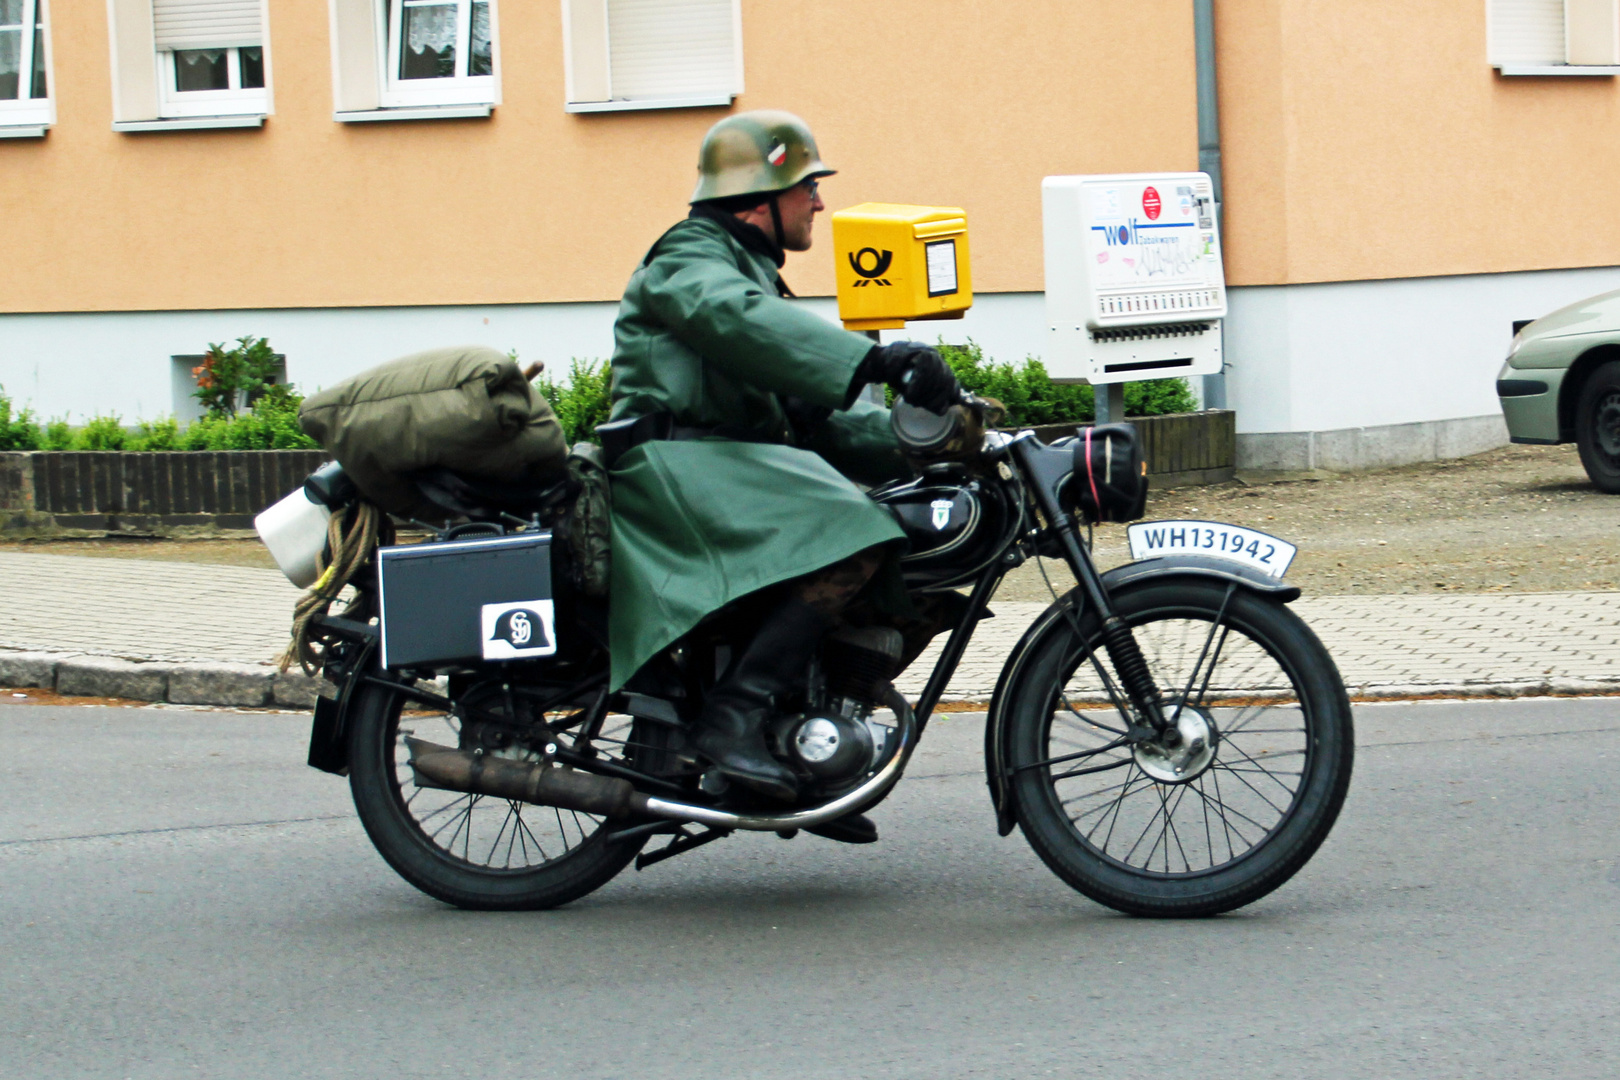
<point>590,522</point>
<point>467,409</point>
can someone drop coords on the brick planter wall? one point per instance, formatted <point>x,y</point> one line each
<point>50,492</point>
<point>1180,449</point>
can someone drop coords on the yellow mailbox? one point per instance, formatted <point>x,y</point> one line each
<point>899,263</point>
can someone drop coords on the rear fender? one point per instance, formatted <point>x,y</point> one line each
<point>1115,581</point>
<point>350,658</point>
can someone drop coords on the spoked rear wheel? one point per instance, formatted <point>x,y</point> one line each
<point>1219,815</point>
<point>477,851</point>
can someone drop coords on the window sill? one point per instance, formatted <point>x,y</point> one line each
<point>701,102</point>
<point>1599,71</point>
<point>432,112</point>
<point>23,131</point>
<point>190,123</point>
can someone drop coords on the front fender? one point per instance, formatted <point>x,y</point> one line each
<point>1114,581</point>
<point>1206,566</point>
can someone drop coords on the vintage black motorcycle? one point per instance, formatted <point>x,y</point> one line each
<point>1170,737</point>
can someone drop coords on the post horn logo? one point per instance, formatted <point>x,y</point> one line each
<point>520,628</point>
<point>880,266</point>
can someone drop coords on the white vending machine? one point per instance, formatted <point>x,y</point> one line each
<point>1134,284</point>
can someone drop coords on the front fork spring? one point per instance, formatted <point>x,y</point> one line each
<point>1132,668</point>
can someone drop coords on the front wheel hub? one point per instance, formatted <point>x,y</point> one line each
<point>1194,738</point>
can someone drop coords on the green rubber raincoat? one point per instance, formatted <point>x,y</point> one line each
<point>703,335</point>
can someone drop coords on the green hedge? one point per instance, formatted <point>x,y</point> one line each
<point>1031,397</point>
<point>18,431</point>
<point>271,424</point>
<point>581,402</point>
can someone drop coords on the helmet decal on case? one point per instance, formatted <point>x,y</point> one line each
<point>519,627</point>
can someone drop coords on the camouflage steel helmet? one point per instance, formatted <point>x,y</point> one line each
<point>756,153</point>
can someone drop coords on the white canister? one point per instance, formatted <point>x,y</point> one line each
<point>294,530</point>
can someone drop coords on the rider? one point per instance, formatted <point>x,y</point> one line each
<point>736,432</point>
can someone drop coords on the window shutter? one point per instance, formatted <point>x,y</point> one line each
<point>671,48</point>
<point>1592,32</point>
<point>207,24</point>
<point>1527,31</point>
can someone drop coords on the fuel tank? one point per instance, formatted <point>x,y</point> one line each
<point>954,524</point>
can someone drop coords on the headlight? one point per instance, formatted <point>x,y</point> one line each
<point>1518,343</point>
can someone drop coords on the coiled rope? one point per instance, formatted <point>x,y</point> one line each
<point>350,539</point>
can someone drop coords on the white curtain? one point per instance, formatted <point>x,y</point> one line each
<point>430,27</point>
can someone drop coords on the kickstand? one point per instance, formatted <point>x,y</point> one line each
<point>679,844</point>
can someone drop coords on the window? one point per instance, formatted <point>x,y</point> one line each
<point>414,59</point>
<point>652,54</point>
<point>1554,37</point>
<point>210,57</point>
<point>189,63</point>
<point>24,85</point>
<point>439,53</point>
<point>183,385</point>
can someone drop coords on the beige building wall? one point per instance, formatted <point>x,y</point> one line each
<point>932,101</point>
<point>1365,139</point>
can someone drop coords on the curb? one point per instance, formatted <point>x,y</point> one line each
<point>241,685</point>
<point>260,685</point>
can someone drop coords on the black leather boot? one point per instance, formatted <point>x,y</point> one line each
<point>731,729</point>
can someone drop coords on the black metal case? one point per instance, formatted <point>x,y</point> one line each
<point>467,601</point>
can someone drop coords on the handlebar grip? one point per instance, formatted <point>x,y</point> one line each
<point>964,396</point>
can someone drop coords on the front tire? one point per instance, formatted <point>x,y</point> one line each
<point>1597,427</point>
<point>473,851</point>
<point>1116,820</point>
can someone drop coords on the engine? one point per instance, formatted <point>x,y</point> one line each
<point>840,743</point>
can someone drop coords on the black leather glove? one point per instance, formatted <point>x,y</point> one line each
<point>918,372</point>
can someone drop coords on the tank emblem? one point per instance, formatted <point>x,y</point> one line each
<point>942,513</point>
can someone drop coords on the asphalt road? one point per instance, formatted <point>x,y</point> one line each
<point>180,897</point>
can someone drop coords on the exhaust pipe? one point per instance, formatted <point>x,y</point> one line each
<point>531,782</point>
<point>612,797</point>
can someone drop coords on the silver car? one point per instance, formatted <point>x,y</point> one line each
<point>1561,383</point>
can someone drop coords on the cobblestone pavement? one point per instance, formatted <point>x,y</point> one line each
<point>142,610</point>
<point>1415,643</point>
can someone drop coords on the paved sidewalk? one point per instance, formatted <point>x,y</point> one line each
<point>1467,644</point>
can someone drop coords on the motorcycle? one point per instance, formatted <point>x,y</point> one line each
<point>1171,739</point>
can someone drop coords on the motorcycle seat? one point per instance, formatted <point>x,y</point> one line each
<point>480,497</point>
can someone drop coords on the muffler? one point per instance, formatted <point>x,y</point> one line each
<point>610,796</point>
<point>526,781</point>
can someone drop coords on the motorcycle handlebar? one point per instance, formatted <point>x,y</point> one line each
<point>956,432</point>
<point>964,397</point>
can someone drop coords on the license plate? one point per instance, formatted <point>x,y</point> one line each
<point>1267,554</point>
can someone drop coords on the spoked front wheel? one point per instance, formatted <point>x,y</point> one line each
<point>1223,811</point>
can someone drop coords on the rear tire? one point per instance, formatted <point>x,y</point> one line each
<point>1113,821</point>
<point>1597,427</point>
<point>420,841</point>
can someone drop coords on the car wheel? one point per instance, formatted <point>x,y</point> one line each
<point>1597,427</point>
